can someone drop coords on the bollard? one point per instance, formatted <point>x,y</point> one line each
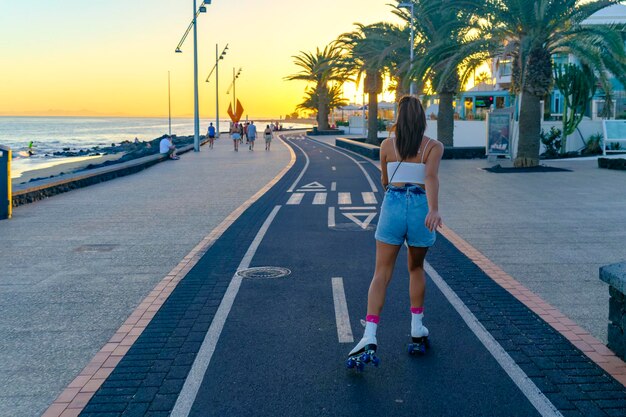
<point>5,183</point>
<point>615,276</point>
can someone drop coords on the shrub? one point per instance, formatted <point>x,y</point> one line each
<point>593,145</point>
<point>552,142</point>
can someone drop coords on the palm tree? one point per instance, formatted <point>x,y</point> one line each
<point>533,31</point>
<point>449,36</point>
<point>335,99</point>
<point>320,68</point>
<point>364,56</point>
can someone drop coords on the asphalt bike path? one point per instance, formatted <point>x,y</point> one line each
<point>279,352</point>
<point>225,345</point>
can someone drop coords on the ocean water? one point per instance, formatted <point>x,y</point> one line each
<point>52,134</point>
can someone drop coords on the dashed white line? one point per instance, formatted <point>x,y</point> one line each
<point>328,157</point>
<point>333,186</point>
<point>331,217</point>
<point>344,329</point>
<point>334,168</point>
<point>295,199</point>
<point>319,199</point>
<point>369,198</point>
<point>345,198</point>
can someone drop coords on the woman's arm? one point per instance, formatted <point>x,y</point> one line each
<point>433,219</point>
<point>383,164</point>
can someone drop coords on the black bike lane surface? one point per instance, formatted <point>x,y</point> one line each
<point>279,352</point>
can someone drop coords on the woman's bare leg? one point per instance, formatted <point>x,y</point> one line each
<point>386,256</point>
<point>417,284</point>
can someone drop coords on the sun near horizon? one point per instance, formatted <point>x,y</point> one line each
<point>79,58</point>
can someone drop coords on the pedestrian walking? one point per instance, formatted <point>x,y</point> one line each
<point>245,131</point>
<point>267,135</point>
<point>409,213</point>
<point>211,135</point>
<point>235,136</point>
<point>251,135</point>
<point>241,132</point>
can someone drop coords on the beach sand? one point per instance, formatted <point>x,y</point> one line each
<point>43,169</point>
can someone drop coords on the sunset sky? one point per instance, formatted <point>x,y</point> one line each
<point>94,57</point>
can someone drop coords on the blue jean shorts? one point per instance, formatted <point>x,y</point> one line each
<point>402,217</point>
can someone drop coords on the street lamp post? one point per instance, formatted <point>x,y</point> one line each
<point>196,111</point>
<point>233,86</point>
<point>411,6</point>
<point>217,92</point>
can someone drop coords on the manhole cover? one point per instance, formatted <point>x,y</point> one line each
<point>95,248</point>
<point>264,272</point>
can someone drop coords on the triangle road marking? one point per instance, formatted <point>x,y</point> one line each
<point>355,217</point>
<point>314,184</point>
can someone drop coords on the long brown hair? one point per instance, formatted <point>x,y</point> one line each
<point>409,127</point>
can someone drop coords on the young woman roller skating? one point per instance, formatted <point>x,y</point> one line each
<point>409,213</point>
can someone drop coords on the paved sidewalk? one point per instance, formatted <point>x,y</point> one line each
<point>74,267</point>
<point>551,231</point>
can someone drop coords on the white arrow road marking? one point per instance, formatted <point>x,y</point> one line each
<point>295,199</point>
<point>313,184</point>
<point>369,198</point>
<point>344,329</point>
<point>367,218</point>
<point>319,199</point>
<point>345,198</point>
<point>331,217</point>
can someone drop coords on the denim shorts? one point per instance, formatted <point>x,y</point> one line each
<point>402,217</point>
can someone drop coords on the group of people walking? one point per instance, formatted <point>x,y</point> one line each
<point>248,131</point>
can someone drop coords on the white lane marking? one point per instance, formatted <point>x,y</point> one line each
<point>367,176</point>
<point>306,165</point>
<point>369,198</point>
<point>333,186</point>
<point>188,394</point>
<point>344,329</point>
<point>367,218</point>
<point>328,157</point>
<point>313,185</point>
<point>334,168</point>
<point>345,198</point>
<point>523,382</point>
<point>331,217</point>
<point>295,199</point>
<point>319,199</point>
<point>358,208</point>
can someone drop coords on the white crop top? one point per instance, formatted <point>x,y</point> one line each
<point>407,172</point>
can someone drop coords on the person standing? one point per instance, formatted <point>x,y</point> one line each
<point>251,135</point>
<point>409,213</point>
<point>236,136</point>
<point>267,134</point>
<point>211,135</point>
<point>245,131</point>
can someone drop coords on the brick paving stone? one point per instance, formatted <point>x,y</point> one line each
<point>136,410</point>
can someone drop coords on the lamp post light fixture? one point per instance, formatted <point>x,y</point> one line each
<point>217,91</point>
<point>193,25</point>
<point>411,6</point>
<point>234,87</point>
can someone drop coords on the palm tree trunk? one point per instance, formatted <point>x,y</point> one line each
<point>445,119</point>
<point>372,119</point>
<point>529,130</point>
<point>322,112</point>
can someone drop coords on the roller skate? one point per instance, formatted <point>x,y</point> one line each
<point>420,341</point>
<point>363,353</point>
